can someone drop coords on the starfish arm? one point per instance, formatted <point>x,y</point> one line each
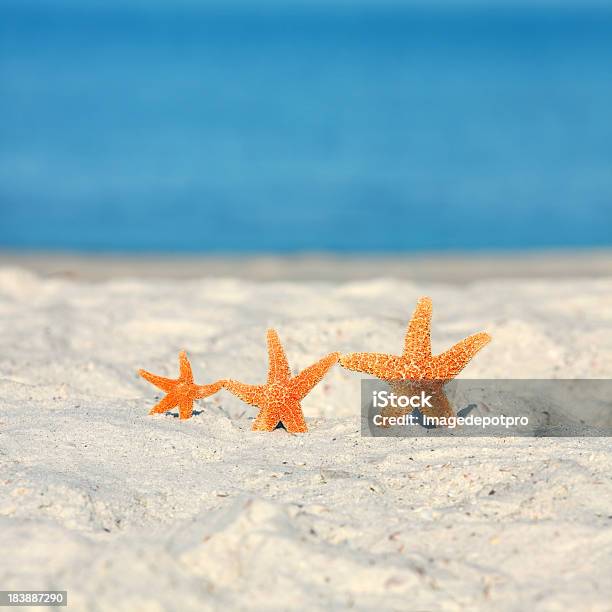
<point>309,377</point>
<point>202,391</point>
<point>292,418</point>
<point>247,393</point>
<point>417,344</point>
<point>186,374</point>
<point>451,362</point>
<point>167,403</point>
<point>265,421</point>
<point>278,368</point>
<point>290,415</point>
<point>386,367</point>
<point>185,407</point>
<point>165,384</point>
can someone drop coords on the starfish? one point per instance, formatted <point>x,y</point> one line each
<point>279,399</point>
<point>416,369</point>
<point>182,391</point>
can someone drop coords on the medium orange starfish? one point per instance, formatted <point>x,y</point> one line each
<point>182,391</point>
<point>279,399</point>
<point>416,368</point>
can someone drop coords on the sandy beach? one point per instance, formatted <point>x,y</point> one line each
<point>455,268</point>
<point>131,512</point>
<point>219,182</point>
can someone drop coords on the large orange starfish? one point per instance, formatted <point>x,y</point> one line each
<point>416,368</point>
<point>182,391</point>
<point>279,399</point>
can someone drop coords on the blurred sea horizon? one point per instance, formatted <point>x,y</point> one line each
<point>307,128</point>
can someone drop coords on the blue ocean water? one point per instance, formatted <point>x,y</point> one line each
<point>284,129</point>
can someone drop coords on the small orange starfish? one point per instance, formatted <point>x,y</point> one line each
<point>417,369</point>
<point>279,399</point>
<point>182,391</point>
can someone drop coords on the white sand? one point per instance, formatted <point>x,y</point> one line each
<point>454,268</point>
<point>131,512</point>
